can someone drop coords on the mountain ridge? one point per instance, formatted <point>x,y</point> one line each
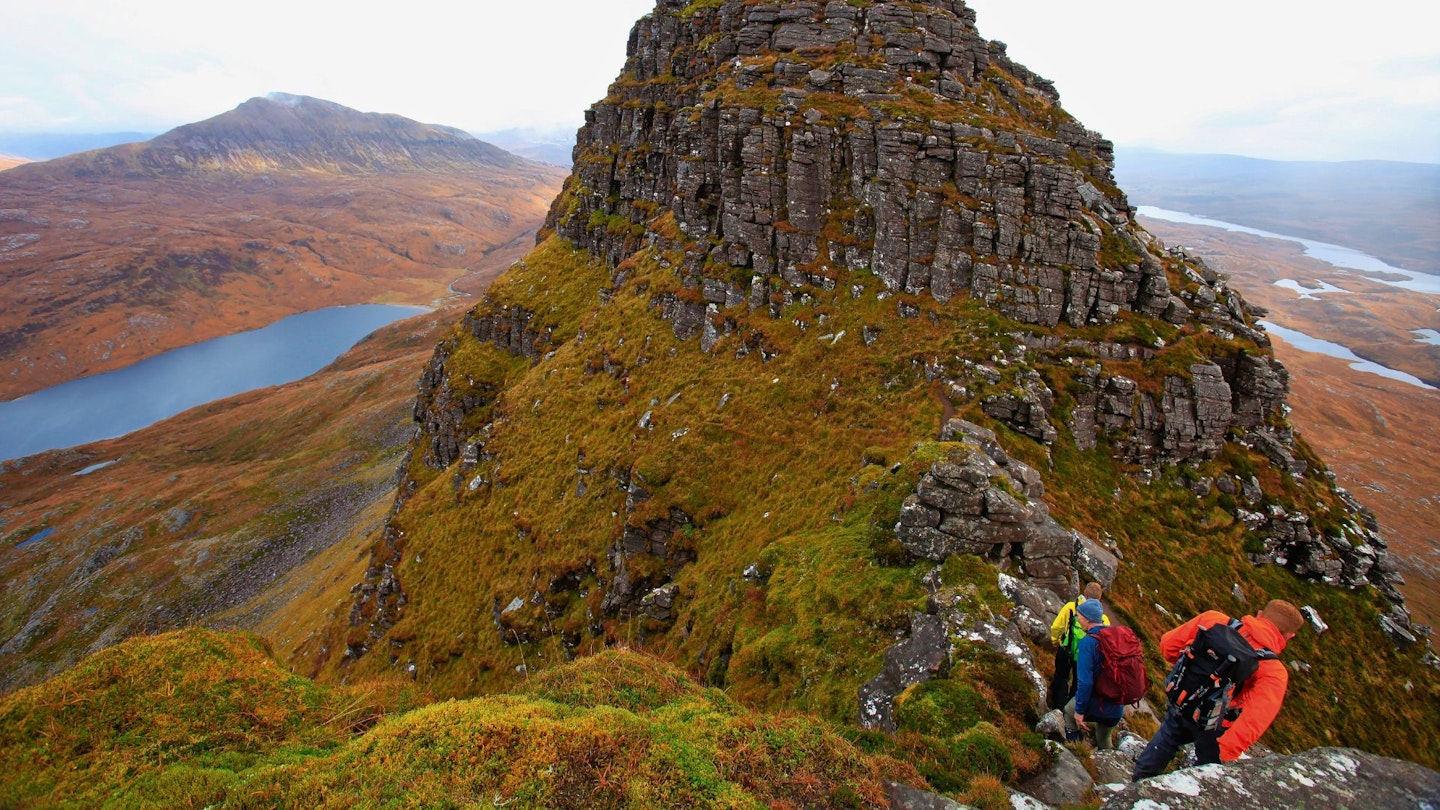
<point>818,208</point>
<point>284,132</point>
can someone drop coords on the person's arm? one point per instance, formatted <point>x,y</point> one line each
<point>1259,701</point>
<point>1061,623</point>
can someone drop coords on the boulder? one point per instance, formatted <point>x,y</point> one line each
<point>1065,782</point>
<point>1320,777</point>
<point>904,797</point>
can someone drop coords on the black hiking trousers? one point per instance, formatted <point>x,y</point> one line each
<point>1176,731</point>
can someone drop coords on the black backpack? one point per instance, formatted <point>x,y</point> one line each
<point>1204,680</point>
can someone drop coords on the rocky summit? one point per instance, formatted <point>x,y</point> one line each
<point>840,362</point>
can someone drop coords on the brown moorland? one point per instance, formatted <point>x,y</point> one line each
<point>281,206</point>
<point>1381,437</point>
<point>7,162</point>
<point>227,513</point>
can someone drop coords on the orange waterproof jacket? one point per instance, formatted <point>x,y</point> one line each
<point>1260,697</point>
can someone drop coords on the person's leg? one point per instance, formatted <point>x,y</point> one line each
<point>1105,735</point>
<point>1173,733</point>
<point>1207,747</point>
<point>1060,683</point>
<point>1072,728</point>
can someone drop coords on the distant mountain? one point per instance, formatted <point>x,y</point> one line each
<point>282,205</point>
<point>8,162</point>
<point>281,132</point>
<point>1388,209</point>
<point>553,145</point>
<point>51,145</point>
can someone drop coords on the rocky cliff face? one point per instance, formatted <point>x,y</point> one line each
<point>799,239</point>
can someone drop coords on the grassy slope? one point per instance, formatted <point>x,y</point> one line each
<point>778,476</point>
<point>196,719</point>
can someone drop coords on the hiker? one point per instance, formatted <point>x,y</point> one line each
<point>1088,705</point>
<point>1065,634</point>
<point>1225,719</point>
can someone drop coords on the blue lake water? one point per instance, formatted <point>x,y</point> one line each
<point>1342,257</point>
<point>125,400</point>
<point>1304,342</point>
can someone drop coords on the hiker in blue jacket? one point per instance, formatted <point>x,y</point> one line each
<point>1086,705</point>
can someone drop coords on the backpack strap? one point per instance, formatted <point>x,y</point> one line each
<point>1074,608</point>
<point>1263,653</point>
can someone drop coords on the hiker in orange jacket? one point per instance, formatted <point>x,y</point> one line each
<point>1258,699</point>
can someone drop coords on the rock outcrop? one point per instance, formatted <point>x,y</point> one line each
<point>978,500</point>
<point>828,174</point>
<point>1321,777</point>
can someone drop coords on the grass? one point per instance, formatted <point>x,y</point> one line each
<point>201,719</point>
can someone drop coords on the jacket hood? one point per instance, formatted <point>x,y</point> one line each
<point>1264,632</point>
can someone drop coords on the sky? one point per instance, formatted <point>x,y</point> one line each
<point>1278,79</point>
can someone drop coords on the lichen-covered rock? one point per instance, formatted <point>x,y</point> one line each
<point>825,176</point>
<point>1064,783</point>
<point>978,500</point>
<point>1321,777</point>
<point>920,657</point>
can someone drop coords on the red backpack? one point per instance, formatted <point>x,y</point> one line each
<point>1122,677</point>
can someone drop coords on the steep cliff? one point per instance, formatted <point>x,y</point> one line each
<point>838,313</point>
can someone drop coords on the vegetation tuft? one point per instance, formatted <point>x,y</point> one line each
<point>198,718</point>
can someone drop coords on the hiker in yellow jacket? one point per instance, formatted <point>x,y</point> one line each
<point>1065,633</point>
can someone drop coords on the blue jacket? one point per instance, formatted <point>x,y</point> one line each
<point>1087,669</point>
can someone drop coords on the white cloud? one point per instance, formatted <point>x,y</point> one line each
<point>1274,78</point>
<point>1291,78</point>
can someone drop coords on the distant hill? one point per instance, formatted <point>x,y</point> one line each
<point>553,145</point>
<point>7,162</point>
<point>1384,208</point>
<point>51,145</point>
<point>282,205</point>
<point>282,132</point>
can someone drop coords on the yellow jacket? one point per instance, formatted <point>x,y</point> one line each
<point>1067,620</point>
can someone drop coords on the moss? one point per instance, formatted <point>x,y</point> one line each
<point>680,746</point>
<point>943,708</point>
<point>193,700</point>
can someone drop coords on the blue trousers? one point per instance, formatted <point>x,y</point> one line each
<point>1175,732</point>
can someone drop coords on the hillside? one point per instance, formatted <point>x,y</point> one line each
<point>1380,436</point>
<point>283,205</point>
<point>238,512</point>
<point>7,162</point>
<point>713,412</point>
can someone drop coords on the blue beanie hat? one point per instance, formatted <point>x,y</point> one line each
<point>1092,610</point>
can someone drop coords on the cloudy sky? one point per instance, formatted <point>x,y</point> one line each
<point>1284,79</point>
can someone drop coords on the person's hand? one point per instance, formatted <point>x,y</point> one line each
<point>1080,722</point>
